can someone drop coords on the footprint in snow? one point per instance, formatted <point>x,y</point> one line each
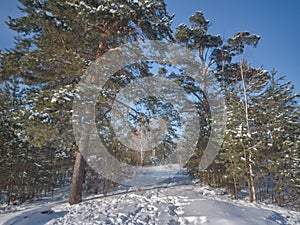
<point>193,220</point>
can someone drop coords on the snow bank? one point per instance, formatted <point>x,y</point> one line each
<point>177,203</point>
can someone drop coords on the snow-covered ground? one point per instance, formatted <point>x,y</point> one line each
<point>175,201</point>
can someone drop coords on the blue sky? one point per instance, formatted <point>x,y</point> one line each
<point>276,21</point>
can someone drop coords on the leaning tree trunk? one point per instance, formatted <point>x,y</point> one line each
<point>108,184</point>
<point>77,179</point>
<point>80,162</point>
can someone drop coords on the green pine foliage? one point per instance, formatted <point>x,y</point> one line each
<point>28,170</point>
<point>57,41</point>
<point>278,124</point>
<point>231,155</point>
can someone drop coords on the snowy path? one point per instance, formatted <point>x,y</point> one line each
<point>175,202</point>
<point>184,204</point>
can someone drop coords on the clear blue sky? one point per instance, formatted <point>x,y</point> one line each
<point>276,21</point>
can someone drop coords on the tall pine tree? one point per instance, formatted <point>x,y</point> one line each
<point>59,39</point>
<point>278,122</point>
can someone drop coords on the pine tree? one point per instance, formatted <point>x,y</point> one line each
<point>216,56</point>
<point>231,154</point>
<point>278,123</point>
<point>59,39</point>
<point>13,148</point>
<point>242,141</point>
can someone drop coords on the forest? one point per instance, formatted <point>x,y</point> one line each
<point>58,42</point>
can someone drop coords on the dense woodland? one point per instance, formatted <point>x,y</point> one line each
<point>58,40</point>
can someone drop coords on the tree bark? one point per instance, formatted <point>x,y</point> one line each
<point>278,187</point>
<point>77,179</point>
<point>80,162</point>
<point>252,193</point>
<point>248,152</point>
<point>235,188</point>
<point>108,184</point>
